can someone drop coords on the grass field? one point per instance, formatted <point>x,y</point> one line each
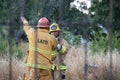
<point>98,66</point>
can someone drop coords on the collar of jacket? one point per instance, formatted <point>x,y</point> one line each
<point>43,30</point>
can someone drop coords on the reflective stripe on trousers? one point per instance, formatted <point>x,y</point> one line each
<point>40,66</point>
<point>53,67</point>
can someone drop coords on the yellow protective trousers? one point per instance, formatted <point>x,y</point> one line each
<point>37,74</point>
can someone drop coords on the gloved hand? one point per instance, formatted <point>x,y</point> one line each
<point>24,20</point>
<point>59,47</point>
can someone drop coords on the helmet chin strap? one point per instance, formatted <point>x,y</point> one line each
<point>58,38</point>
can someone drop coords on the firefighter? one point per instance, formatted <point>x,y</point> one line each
<point>63,47</point>
<point>41,49</point>
<point>55,31</point>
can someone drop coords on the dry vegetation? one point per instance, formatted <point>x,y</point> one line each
<point>17,69</point>
<point>98,66</point>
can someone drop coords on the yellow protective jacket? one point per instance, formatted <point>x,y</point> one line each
<point>58,59</point>
<point>41,44</point>
<point>65,45</point>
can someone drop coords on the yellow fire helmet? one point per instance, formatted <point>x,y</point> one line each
<point>54,27</point>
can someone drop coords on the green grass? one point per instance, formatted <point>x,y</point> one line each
<point>17,50</point>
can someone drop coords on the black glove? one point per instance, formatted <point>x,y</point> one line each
<point>59,47</point>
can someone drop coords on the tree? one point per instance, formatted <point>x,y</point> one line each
<point>101,10</point>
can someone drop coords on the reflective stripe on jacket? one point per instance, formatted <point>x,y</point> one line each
<point>63,49</point>
<point>43,51</point>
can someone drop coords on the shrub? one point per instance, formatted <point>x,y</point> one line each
<point>100,40</point>
<point>70,37</point>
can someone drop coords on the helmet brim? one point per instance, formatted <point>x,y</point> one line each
<point>42,25</point>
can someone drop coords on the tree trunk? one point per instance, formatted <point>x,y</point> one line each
<point>10,30</point>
